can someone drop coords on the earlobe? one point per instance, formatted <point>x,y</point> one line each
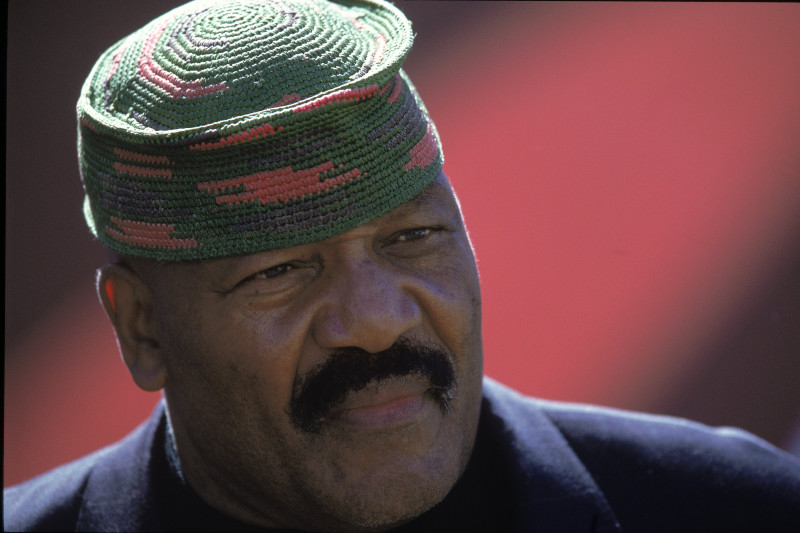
<point>129,305</point>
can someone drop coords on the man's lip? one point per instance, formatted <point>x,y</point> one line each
<point>382,406</point>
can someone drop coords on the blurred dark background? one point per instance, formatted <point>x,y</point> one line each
<point>629,174</point>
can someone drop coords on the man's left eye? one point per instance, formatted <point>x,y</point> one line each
<point>414,234</point>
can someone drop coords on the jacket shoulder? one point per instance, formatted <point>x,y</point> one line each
<point>661,472</point>
<point>50,501</point>
<point>64,499</point>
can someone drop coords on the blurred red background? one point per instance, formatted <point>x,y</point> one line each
<point>629,173</point>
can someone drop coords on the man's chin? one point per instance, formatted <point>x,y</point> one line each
<point>386,500</point>
<point>385,466</point>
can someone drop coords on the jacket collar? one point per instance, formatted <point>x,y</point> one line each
<point>553,490</point>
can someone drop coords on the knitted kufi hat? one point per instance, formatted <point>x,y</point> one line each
<point>226,128</point>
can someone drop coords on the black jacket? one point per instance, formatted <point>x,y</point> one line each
<point>565,468</point>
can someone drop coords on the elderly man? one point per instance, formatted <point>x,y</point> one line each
<point>291,268</point>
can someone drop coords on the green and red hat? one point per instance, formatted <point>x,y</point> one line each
<point>233,127</point>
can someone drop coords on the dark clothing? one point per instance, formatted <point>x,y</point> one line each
<point>537,466</point>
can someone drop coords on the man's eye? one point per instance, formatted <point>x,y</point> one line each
<point>414,234</point>
<point>274,272</point>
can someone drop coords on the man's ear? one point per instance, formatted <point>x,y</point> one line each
<point>129,304</point>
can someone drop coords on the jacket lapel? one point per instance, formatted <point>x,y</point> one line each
<point>553,489</point>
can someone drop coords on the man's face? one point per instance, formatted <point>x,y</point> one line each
<point>332,385</point>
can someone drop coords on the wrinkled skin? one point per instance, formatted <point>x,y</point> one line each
<point>228,339</point>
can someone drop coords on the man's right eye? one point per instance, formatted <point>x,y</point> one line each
<point>273,272</point>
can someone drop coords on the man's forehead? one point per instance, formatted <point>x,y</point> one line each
<point>438,193</point>
<point>438,196</point>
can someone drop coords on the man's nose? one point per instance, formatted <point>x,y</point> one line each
<point>367,305</point>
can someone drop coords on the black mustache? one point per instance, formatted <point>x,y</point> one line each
<point>351,369</point>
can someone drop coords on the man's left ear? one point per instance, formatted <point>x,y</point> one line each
<point>129,304</point>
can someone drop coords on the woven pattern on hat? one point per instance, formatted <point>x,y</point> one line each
<point>226,128</point>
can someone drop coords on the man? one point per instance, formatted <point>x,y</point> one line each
<point>291,268</point>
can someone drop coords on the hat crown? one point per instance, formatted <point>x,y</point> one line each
<point>209,62</point>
